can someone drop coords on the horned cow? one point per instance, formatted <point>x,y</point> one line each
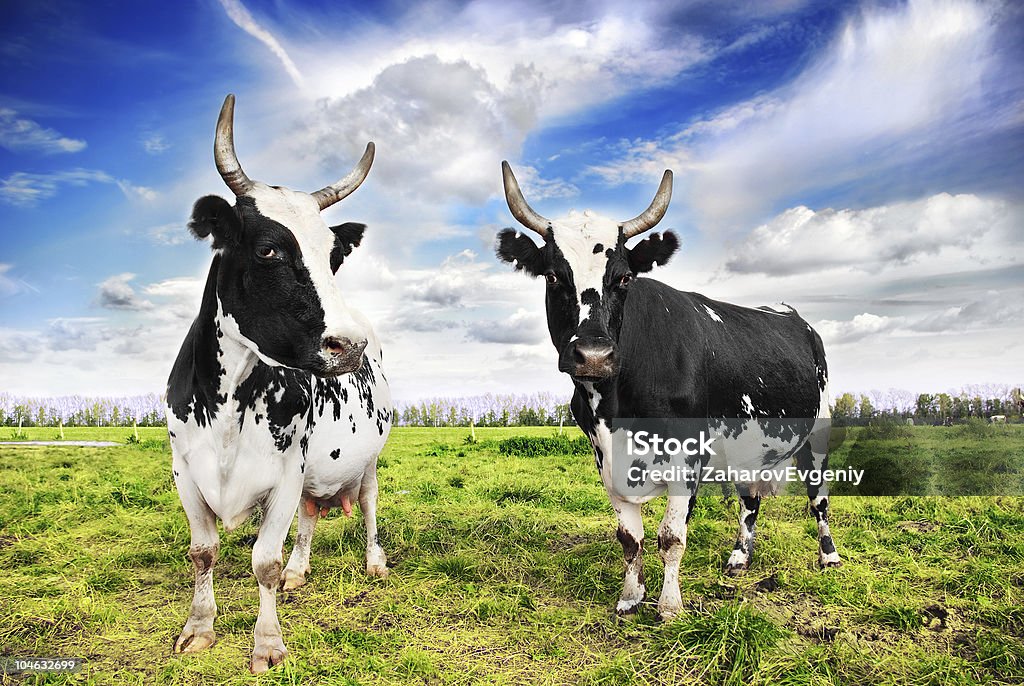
<point>277,393</point>
<point>637,348</point>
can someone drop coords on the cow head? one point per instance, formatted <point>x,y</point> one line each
<point>589,272</point>
<point>277,259</point>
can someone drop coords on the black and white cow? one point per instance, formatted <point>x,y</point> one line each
<point>277,393</point>
<point>636,347</point>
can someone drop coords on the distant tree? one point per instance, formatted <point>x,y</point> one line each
<point>866,410</point>
<point>845,406</point>
<point>925,406</point>
<point>945,405</point>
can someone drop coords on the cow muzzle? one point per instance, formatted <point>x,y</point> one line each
<point>589,360</point>
<point>340,355</point>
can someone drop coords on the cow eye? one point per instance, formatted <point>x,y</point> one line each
<point>266,252</point>
<point>626,279</point>
<point>551,278</point>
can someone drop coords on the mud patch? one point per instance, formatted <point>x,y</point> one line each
<point>935,617</point>
<point>767,584</point>
<point>920,526</point>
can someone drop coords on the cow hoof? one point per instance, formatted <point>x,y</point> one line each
<point>736,570</point>
<point>379,571</point>
<point>830,564</point>
<point>627,608</point>
<point>267,654</point>
<point>667,616</point>
<point>192,641</point>
<point>292,580</point>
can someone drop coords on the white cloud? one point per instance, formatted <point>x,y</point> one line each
<point>245,21</point>
<point>440,126</point>
<point>173,233</point>
<point>18,134</point>
<point>897,84</point>
<point>155,144</point>
<point>523,327</point>
<point>993,312</point>
<point>800,240</point>
<point>116,293</point>
<point>25,189</point>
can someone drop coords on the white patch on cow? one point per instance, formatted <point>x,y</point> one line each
<point>575,235</point>
<point>824,411</point>
<point>748,405</point>
<point>780,309</point>
<point>713,314</point>
<point>300,214</point>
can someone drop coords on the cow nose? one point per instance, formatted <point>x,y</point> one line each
<point>591,353</point>
<point>343,347</point>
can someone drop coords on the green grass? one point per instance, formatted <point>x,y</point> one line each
<point>505,571</point>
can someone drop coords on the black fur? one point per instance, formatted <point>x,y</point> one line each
<point>519,250</point>
<point>347,236</point>
<point>213,214</point>
<point>655,250</point>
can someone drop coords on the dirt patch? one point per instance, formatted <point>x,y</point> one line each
<point>821,634</point>
<point>767,584</point>
<point>358,598</point>
<point>920,526</point>
<point>935,617</point>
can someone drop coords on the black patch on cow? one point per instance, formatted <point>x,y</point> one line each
<point>287,395</point>
<point>691,505</point>
<point>171,434</point>
<point>590,297</point>
<point>265,286</point>
<point>666,541</point>
<point>364,381</point>
<point>336,453</point>
<point>519,250</point>
<point>347,236</point>
<point>654,250</point>
<point>638,467</point>
<point>826,545</point>
<point>598,248</point>
<point>213,214</point>
<point>630,546</point>
<point>194,384</point>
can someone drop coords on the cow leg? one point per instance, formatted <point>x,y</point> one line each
<point>671,546</point>
<point>298,562</point>
<point>278,514</point>
<point>376,560</point>
<point>814,456</point>
<point>198,632</point>
<point>743,550</point>
<point>631,535</point>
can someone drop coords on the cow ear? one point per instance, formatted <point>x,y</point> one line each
<point>347,236</point>
<point>213,214</point>
<point>517,249</point>
<point>656,249</point>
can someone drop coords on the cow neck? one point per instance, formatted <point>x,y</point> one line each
<point>599,399</point>
<point>220,361</point>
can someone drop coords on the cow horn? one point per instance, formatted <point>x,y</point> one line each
<point>653,214</point>
<point>328,195</point>
<point>518,205</point>
<point>224,150</point>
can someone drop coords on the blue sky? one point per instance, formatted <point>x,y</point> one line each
<point>860,161</point>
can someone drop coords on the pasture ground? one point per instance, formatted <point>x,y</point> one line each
<point>506,570</point>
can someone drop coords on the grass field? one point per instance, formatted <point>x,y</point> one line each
<point>506,570</point>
